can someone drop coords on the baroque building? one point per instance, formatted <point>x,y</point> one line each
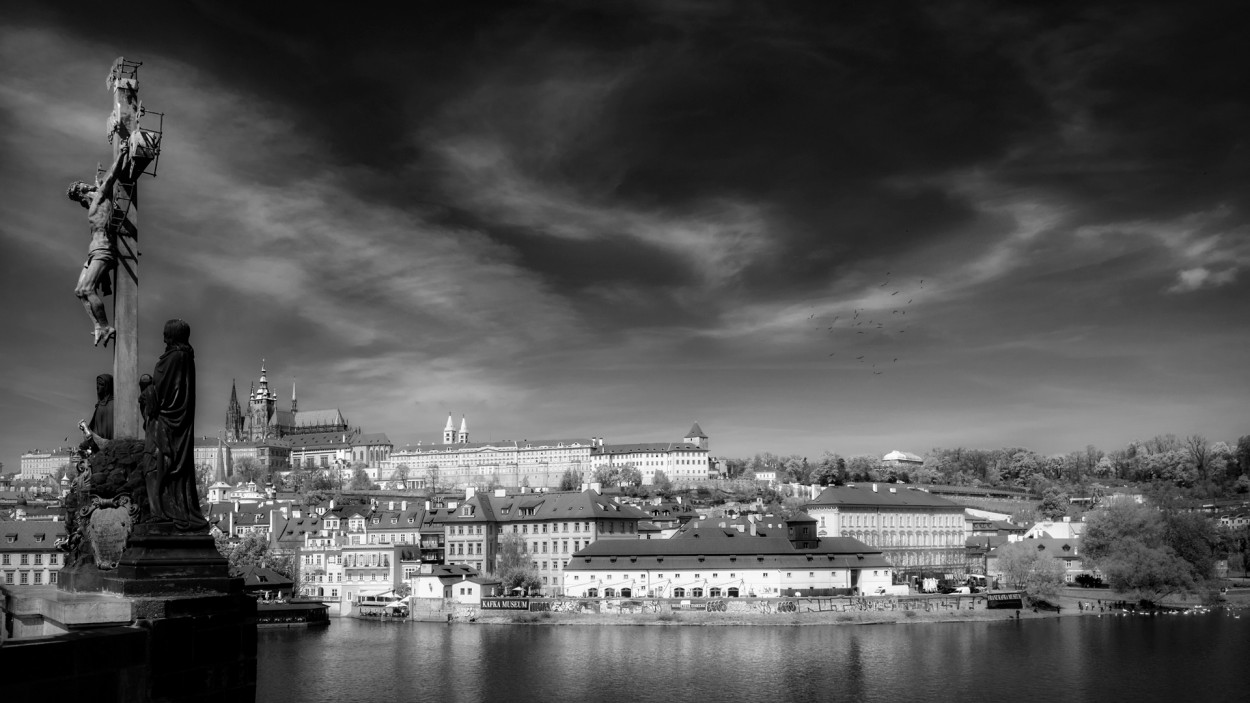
<point>457,462</point>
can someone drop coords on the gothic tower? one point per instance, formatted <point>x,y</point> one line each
<point>234,416</point>
<point>449,432</point>
<point>463,436</point>
<point>261,407</point>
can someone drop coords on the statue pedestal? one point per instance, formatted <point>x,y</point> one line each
<point>161,560</point>
<point>173,648</point>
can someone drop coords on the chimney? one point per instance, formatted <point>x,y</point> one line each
<point>403,505</point>
<point>893,489</point>
<point>501,492</point>
<point>596,487</point>
<point>284,512</point>
<point>874,488</point>
<point>236,505</point>
<point>468,492</point>
<point>427,505</point>
<point>390,505</point>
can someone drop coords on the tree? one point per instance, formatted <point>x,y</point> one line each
<point>662,483</point>
<point>570,480</point>
<point>399,477</point>
<point>513,566</point>
<point>1025,565</point>
<point>1196,446</point>
<point>255,549</point>
<point>629,476</point>
<point>361,480</point>
<point>1149,552</point>
<point>861,467</point>
<point>1054,504</point>
<point>1242,452</point>
<point>321,482</point>
<point>248,469</point>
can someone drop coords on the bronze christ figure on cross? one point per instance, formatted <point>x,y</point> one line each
<point>93,281</point>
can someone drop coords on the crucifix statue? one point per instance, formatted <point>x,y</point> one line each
<point>112,266</point>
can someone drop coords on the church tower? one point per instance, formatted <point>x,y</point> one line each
<point>696,437</point>
<point>234,416</point>
<point>261,407</point>
<point>294,407</point>
<point>463,436</point>
<point>449,432</point>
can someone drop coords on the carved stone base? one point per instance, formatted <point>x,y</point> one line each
<point>159,559</point>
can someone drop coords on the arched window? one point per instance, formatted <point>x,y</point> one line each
<point>609,593</point>
<point>696,593</point>
<point>732,592</point>
<point>626,592</point>
<point>679,593</point>
<point>714,592</point>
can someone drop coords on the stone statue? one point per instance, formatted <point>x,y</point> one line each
<point>145,397</point>
<point>93,282</point>
<point>169,444</point>
<point>99,431</point>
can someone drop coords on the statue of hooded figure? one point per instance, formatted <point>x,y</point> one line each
<point>169,442</point>
<point>99,430</point>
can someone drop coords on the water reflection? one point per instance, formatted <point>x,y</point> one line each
<point>1071,659</point>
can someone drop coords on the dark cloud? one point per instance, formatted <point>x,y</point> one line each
<point>503,204</point>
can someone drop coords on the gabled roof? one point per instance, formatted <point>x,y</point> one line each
<point>25,535</point>
<point>842,552</point>
<point>696,431</point>
<point>330,416</point>
<point>647,447</point>
<point>863,495</point>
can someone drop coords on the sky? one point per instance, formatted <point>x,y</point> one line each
<point>808,227</point>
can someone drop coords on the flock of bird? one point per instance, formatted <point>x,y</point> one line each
<point>877,327</point>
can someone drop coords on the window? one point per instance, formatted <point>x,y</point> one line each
<point>8,577</point>
<point>24,559</point>
<point>679,592</point>
<point>590,592</point>
<point>52,577</point>
<point>696,593</point>
<point>732,592</point>
<point>25,577</point>
<point>4,560</point>
<point>607,592</point>
<point>38,577</point>
<point>714,592</point>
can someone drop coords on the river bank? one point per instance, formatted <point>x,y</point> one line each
<point>1071,602</point>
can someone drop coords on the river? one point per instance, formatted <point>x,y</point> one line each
<point>1166,658</point>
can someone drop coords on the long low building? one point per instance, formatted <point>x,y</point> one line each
<point>729,565</point>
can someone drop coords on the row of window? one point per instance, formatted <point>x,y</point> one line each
<point>25,559</point>
<point>28,578</point>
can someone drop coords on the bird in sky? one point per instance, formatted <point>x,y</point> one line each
<point>894,293</point>
<point>860,357</point>
<point>876,373</point>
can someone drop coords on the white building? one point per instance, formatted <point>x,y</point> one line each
<point>730,565</point>
<point>38,463</point>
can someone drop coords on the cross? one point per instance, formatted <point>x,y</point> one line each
<point>123,126</point>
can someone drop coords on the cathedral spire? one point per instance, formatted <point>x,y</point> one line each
<point>463,437</point>
<point>449,432</point>
<point>293,405</point>
<point>234,415</point>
